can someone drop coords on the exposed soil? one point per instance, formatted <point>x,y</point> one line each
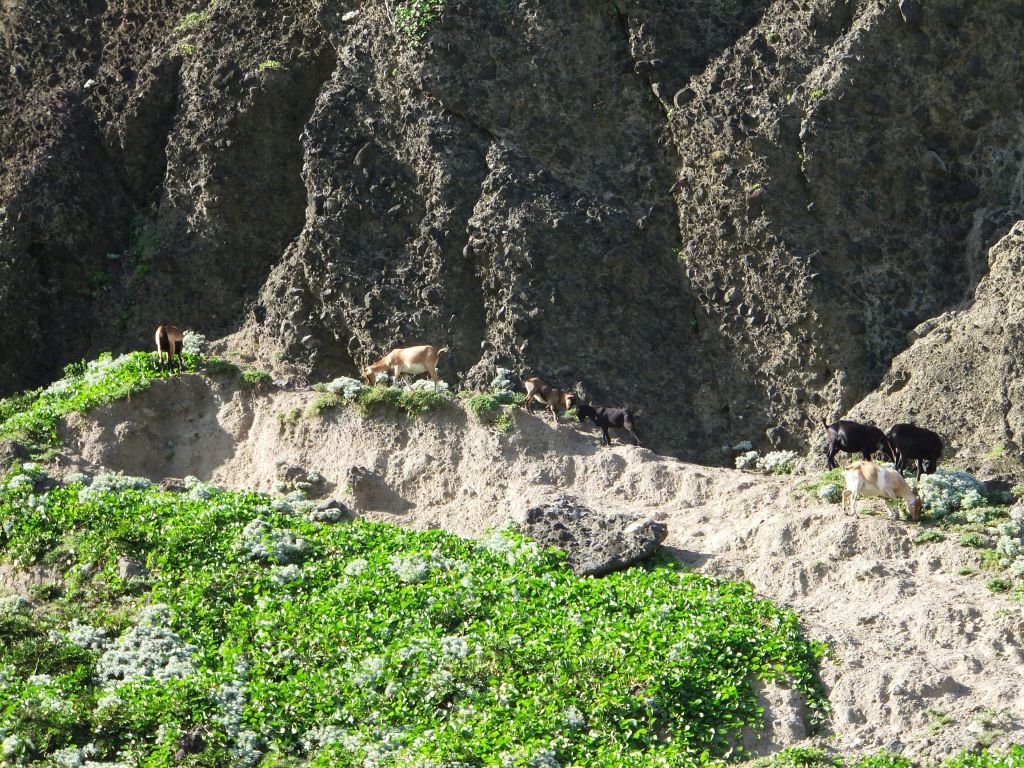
<point>925,661</point>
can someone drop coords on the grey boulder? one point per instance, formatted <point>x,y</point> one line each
<point>596,543</point>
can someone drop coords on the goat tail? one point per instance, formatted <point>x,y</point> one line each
<point>824,423</point>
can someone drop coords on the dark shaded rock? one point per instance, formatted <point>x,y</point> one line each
<point>129,568</point>
<point>10,453</point>
<point>366,155</point>
<point>331,511</point>
<point>596,543</point>
<point>911,12</point>
<point>191,742</point>
<point>776,436</point>
<point>173,485</point>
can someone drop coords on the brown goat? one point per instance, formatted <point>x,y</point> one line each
<point>168,341</point>
<point>406,360</point>
<point>539,390</point>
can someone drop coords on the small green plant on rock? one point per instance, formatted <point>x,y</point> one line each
<point>930,536</point>
<point>190,22</point>
<point>290,417</point>
<point>998,585</point>
<point>410,402</point>
<point>414,17</point>
<point>975,540</point>
<point>254,379</point>
<point>938,720</point>
<point>271,64</point>
<point>324,403</point>
<point>503,423</point>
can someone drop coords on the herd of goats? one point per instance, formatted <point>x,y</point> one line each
<point>903,444</point>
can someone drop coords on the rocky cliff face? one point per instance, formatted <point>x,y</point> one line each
<point>731,214</point>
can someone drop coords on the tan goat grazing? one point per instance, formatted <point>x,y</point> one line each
<point>168,342</point>
<point>407,360</point>
<point>539,390</point>
<point>866,478</point>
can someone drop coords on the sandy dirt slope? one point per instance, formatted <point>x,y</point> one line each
<point>925,661</point>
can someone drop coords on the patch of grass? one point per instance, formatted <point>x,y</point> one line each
<point>217,366</point>
<point>990,560</point>
<point>938,720</point>
<point>816,94</point>
<point>483,405</point>
<point>503,423</point>
<point>190,22</point>
<point>831,477</point>
<point>290,417</point>
<point>966,570</point>
<point>253,378</point>
<point>975,540</point>
<point>1018,491</point>
<point>999,585</point>
<point>414,17</point>
<point>929,536</point>
<point>284,636</point>
<point>997,452</point>
<point>410,402</point>
<point>271,64</point>
<point>324,403</point>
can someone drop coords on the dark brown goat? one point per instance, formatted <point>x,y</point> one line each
<point>852,437</point>
<point>913,443</point>
<point>604,417</point>
<point>168,341</point>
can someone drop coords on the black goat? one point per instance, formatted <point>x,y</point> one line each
<point>918,444</point>
<point>853,437</point>
<point>603,417</point>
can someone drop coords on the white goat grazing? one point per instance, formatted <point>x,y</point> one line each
<point>407,360</point>
<point>866,478</point>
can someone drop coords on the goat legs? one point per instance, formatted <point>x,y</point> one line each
<point>630,427</point>
<point>830,458</point>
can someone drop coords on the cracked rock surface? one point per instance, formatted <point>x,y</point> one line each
<point>734,215</point>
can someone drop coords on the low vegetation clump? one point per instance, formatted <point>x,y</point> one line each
<point>255,379</point>
<point>279,639</point>
<point>414,17</point>
<point>772,463</point>
<point>948,491</point>
<point>190,22</point>
<point>411,402</point>
<point>494,407</point>
<point>930,536</point>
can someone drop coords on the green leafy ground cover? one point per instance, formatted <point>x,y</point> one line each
<point>360,644</point>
